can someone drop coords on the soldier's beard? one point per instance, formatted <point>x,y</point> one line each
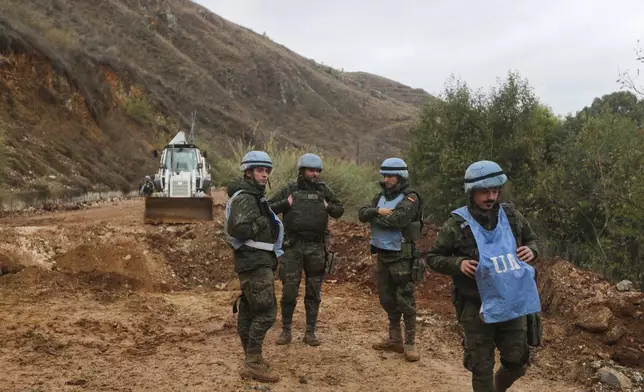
<point>488,204</point>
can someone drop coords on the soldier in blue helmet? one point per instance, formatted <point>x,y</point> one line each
<point>306,205</point>
<point>396,219</point>
<point>256,235</point>
<point>485,247</point>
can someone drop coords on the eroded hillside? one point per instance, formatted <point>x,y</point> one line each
<point>88,88</point>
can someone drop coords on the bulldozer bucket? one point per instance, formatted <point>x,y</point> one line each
<point>177,209</point>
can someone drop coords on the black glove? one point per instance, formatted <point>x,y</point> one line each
<point>418,270</point>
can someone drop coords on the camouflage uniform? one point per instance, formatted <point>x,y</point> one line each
<point>306,231</point>
<point>250,218</point>
<point>454,244</point>
<point>396,290</point>
<point>147,187</point>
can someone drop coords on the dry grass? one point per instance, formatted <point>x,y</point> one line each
<point>355,185</point>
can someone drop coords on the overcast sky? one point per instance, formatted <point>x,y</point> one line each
<point>570,50</point>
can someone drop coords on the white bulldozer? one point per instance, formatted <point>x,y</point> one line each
<point>182,184</point>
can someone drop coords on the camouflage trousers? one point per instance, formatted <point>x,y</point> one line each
<point>310,258</point>
<point>257,308</point>
<point>397,294</point>
<point>481,339</point>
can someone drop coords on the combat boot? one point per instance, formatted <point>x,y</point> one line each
<point>259,369</point>
<point>311,339</point>
<point>393,343</point>
<point>411,354</point>
<point>504,377</point>
<point>285,337</point>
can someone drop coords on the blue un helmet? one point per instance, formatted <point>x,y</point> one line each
<point>394,167</point>
<point>310,161</point>
<point>256,159</point>
<point>484,175</point>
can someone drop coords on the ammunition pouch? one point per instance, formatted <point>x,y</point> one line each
<point>408,250</point>
<point>412,232</point>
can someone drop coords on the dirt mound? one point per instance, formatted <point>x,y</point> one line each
<point>600,321</point>
<point>116,252</point>
<point>35,280</point>
<point>30,246</point>
<point>9,264</point>
<point>198,254</point>
<point>118,263</point>
<point>350,242</point>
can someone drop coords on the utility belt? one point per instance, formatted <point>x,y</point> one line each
<point>294,237</point>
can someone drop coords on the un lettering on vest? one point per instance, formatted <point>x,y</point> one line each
<point>500,260</point>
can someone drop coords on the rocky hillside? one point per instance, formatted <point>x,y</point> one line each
<point>382,87</point>
<point>87,89</point>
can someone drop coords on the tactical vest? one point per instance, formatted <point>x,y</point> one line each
<point>307,217</point>
<point>267,246</point>
<point>387,238</point>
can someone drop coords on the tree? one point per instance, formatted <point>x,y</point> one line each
<point>591,195</point>
<point>507,125</point>
<point>627,80</point>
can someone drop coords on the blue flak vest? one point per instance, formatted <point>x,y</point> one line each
<point>506,284</point>
<point>267,246</point>
<point>387,238</point>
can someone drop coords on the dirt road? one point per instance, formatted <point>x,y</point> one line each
<point>98,301</point>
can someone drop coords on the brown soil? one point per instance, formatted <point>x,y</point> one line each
<point>108,304</point>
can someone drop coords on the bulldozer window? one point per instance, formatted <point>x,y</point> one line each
<point>184,159</point>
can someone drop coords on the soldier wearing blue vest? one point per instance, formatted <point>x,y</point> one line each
<point>256,234</point>
<point>395,215</point>
<point>485,246</point>
<point>306,205</point>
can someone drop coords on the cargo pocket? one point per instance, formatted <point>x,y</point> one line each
<point>401,271</point>
<point>259,295</point>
